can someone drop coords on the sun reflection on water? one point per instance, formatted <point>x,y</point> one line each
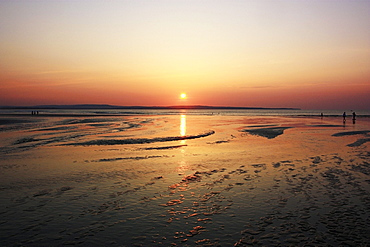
<point>183,167</point>
<point>183,125</point>
<point>182,164</point>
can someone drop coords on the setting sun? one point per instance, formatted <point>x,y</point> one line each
<point>169,48</point>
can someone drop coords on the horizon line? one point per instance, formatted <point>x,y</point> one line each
<point>108,106</point>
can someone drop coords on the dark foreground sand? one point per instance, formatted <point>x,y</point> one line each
<point>184,180</point>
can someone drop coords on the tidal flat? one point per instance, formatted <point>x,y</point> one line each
<point>184,180</point>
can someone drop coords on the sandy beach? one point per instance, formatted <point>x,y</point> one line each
<point>184,180</point>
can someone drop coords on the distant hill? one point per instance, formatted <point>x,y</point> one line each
<point>105,106</point>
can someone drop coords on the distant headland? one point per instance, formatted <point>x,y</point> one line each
<point>177,107</point>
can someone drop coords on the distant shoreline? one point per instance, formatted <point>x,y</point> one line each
<point>178,107</point>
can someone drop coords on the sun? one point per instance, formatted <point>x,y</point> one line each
<point>183,96</point>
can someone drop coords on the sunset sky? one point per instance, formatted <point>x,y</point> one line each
<point>305,54</point>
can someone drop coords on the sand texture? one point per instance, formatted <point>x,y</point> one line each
<point>184,181</point>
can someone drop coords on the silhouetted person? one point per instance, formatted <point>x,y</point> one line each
<point>322,115</point>
<point>344,116</point>
<point>354,117</point>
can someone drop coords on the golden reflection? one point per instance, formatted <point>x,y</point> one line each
<point>183,167</point>
<point>182,164</point>
<point>183,128</point>
<point>183,125</point>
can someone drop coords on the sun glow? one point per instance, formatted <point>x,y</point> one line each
<point>183,96</point>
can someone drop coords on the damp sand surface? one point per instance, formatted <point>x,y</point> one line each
<point>184,181</point>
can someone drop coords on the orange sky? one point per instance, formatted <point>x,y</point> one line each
<point>305,54</point>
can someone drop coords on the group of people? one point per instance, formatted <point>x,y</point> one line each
<point>345,116</point>
<point>353,117</point>
<point>35,112</point>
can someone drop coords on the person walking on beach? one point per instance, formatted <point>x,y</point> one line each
<point>344,116</point>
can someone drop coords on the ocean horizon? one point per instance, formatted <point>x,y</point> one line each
<point>171,111</point>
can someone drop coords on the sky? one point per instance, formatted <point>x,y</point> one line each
<point>283,53</point>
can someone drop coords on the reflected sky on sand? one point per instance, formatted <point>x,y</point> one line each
<point>135,181</point>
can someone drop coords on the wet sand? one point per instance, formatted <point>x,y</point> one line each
<point>184,181</point>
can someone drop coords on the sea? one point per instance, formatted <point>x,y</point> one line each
<point>200,112</point>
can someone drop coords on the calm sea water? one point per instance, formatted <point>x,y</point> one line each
<point>228,112</point>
